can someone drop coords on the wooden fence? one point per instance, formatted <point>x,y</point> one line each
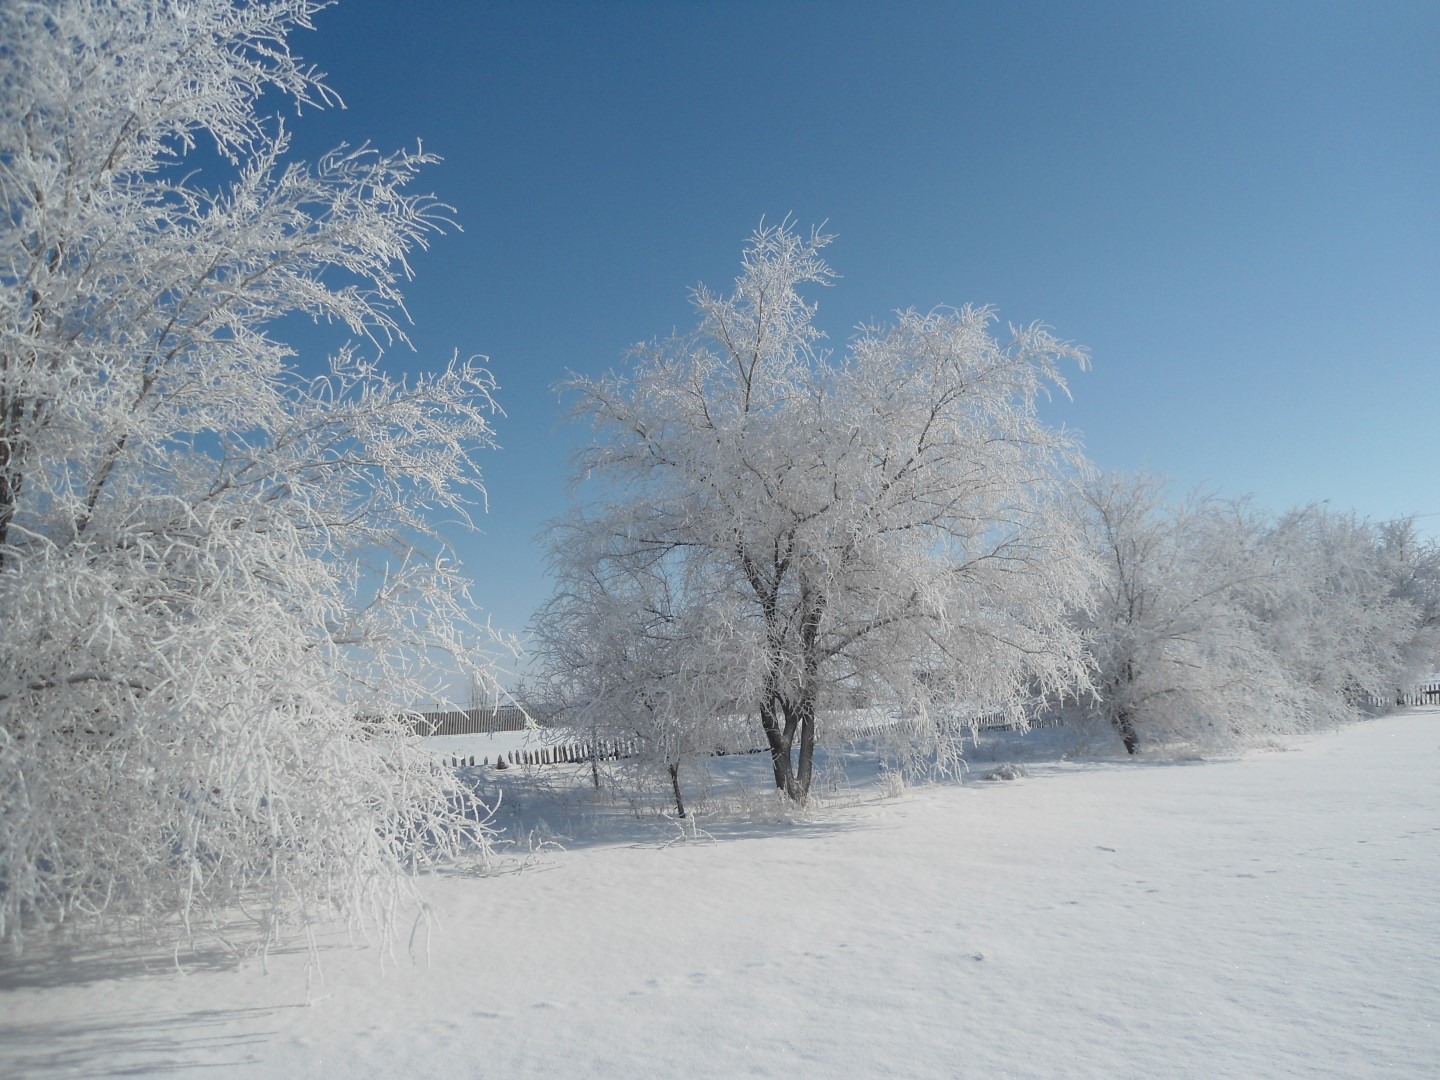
<point>478,721</point>
<point>512,718</point>
<point>579,752</point>
<point>1427,694</point>
<point>573,753</point>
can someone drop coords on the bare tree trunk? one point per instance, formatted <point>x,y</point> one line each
<point>780,740</point>
<point>1126,728</point>
<point>813,604</point>
<point>675,786</point>
<point>807,748</point>
<point>1121,718</point>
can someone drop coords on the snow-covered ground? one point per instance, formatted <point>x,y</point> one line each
<point>1276,915</point>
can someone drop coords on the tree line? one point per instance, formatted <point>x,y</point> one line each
<point>769,531</point>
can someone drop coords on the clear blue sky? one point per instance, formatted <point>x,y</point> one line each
<point>1235,206</point>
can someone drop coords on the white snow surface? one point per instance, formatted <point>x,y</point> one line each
<point>1275,915</point>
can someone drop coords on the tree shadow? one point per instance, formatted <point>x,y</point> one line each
<point>131,1043</point>
<point>119,1041</point>
<point>111,957</point>
<point>556,808</point>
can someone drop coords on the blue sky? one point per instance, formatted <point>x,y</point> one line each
<point>1235,206</point>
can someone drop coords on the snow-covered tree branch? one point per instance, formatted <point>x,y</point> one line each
<point>213,578</point>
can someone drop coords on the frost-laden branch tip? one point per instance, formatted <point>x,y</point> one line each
<point>794,515</point>
<point>213,591</point>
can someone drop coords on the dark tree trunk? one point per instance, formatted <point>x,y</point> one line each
<point>1124,724</point>
<point>780,740</point>
<point>675,786</point>
<point>813,606</point>
<point>1128,734</point>
<point>805,768</point>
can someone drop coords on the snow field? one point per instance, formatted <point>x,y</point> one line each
<point>1273,915</point>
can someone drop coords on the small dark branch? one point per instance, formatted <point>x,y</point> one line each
<point>879,622</point>
<point>84,677</point>
<point>12,414</point>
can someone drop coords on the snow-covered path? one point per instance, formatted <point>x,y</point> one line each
<point>1273,916</point>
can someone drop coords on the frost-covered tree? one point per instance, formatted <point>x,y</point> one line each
<point>630,653</point>
<point>212,601</point>
<point>1177,649</point>
<point>859,530</point>
<point>1212,623</point>
<point>1412,566</point>
<point>1347,615</point>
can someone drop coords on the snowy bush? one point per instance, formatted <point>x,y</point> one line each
<point>1008,771</point>
<point>212,602</point>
